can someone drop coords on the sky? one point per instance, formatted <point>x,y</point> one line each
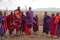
<point>35,4</point>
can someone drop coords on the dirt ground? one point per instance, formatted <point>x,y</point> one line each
<point>31,37</point>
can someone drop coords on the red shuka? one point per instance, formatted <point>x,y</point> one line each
<point>17,15</point>
<point>52,26</point>
<point>5,23</point>
<point>10,19</point>
<point>26,28</point>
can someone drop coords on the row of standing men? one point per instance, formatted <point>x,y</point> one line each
<point>51,24</point>
<point>17,20</point>
<point>22,23</point>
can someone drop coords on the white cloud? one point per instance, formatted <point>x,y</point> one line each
<point>35,4</point>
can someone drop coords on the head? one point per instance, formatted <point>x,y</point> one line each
<point>4,12</point>
<point>11,13</point>
<point>57,14</point>
<point>36,15</point>
<point>53,15</point>
<point>0,12</point>
<point>30,8</point>
<point>18,8</point>
<point>45,13</point>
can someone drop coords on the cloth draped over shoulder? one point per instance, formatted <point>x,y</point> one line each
<point>30,16</point>
<point>46,24</point>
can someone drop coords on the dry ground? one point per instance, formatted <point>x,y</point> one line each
<point>31,37</point>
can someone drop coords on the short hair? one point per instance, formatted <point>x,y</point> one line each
<point>18,7</point>
<point>29,7</point>
<point>11,12</point>
<point>0,11</point>
<point>45,12</point>
<point>57,14</point>
<point>52,14</point>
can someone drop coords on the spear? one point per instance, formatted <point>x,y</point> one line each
<point>6,9</point>
<point>25,8</point>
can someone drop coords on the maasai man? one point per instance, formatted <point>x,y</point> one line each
<point>22,24</point>
<point>10,19</point>
<point>57,18</point>
<point>5,23</point>
<point>58,29</point>
<point>1,25</point>
<point>36,25</point>
<point>30,16</point>
<point>46,24</point>
<point>18,17</point>
<point>52,25</point>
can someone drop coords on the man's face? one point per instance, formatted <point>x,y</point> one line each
<point>0,13</point>
<point>45,13</point>
<point>11,13</point>
<point>29,8</point>
<point>18,8</point>
<point>4,13</point>
<point>57,14</point>
<point>53,15</point>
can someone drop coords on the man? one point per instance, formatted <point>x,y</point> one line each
<point>1,26</point>
<point>57,23</point>
<point>5,22</point>
<point>36,25</point>
<point>10,19</point>
<point>30,15</point>
<point>46,23</point>
<point>18,18</point>
<point>56,18</point>
<point>52,25</point>
<point>22,24</point>
<point>18,11</point>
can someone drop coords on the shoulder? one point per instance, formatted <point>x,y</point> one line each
<point>18,10</point>
<point>32,11</point>
<point>27,12</point>
<point>48,16</point>
<point>15,10</point>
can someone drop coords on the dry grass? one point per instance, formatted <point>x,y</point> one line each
<point>31,37</point>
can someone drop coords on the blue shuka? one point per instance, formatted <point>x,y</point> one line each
<point>30,16</point>
<point>1,25</point>
<point>46,24</point>
<point>57,31</point>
